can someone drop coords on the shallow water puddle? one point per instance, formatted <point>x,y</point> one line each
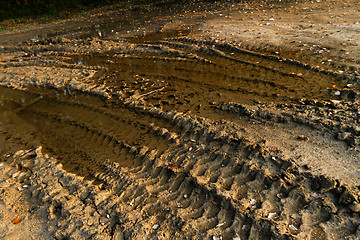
<point>178,74</point>
<point>199,76</point>
<point>158,35</point>
<point>82,130</point>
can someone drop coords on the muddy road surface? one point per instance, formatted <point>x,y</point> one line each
<point>176,134</point>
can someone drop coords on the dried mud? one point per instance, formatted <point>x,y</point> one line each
<point>176,138</point>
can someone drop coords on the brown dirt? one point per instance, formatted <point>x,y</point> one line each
<point>226,124</point>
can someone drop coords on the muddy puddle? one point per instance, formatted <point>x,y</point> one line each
<point>158,35</point>
<point>81,130</point>
<point>172,74</point>
<point>166,71</point>
<point>197,76</point>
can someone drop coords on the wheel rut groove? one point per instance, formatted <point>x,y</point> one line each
<point>159,140</point>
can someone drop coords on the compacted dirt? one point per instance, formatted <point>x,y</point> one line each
<point>233,121</point>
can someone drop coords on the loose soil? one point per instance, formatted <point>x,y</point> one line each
<point>234,121</point>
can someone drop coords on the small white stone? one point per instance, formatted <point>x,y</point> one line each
<point>1,164</point>
<point>337,93</point>
<point>252,202</point>
<point>272,215</point>
<point>293,228</point>
<point>220,224</point>
<point>156,226</point>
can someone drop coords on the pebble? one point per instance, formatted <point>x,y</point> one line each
<point>343,136</point>
<point>220,224</point>
<point>272,215</point>
<point>303,138</point>
<point>245,227</point>
<point>156,226</point>
<point>292,227</point>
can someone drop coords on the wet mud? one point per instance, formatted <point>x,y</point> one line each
<point>183,137</point>
<point>211,180</point>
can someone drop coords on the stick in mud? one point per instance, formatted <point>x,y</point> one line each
<point>28,104</point>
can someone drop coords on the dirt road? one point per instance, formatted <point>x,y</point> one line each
<point>204,122</point>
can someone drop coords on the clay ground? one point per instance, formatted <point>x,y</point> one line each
<point>199,121</point>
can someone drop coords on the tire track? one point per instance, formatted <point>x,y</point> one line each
<point>213,179</point>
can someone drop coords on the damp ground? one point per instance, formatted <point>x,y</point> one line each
<point>183,127</point>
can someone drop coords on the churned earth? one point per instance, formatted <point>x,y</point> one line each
<point>198,121</point>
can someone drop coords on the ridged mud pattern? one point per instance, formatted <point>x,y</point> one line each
<point>197,73</point>
<point>201,175</point>
<point>200,74</point>
<point>337,118</point>
<point>209,179</point>
<point>203,66</point>
<point>83,132</point>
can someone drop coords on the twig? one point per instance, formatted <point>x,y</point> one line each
<point>145,94</point>
<point>28,104</point>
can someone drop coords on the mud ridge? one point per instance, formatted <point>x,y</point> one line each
<point>233,48</point>
<point>204,176</point>
<point>245,184</point>
<point>337,118</point>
